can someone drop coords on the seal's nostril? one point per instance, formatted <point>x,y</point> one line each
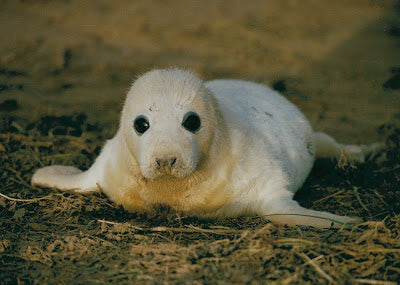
<point>173,161</point>
<point>162,163</point>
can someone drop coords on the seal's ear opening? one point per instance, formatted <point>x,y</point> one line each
<point>191,122</point>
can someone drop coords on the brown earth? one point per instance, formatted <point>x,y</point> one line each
<point>65,67</point>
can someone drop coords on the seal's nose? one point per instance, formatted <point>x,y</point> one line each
<point>165,162</point>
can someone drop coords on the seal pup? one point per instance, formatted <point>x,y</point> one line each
<point>209,149</point>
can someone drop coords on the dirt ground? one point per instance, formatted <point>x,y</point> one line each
<point>65,67</point>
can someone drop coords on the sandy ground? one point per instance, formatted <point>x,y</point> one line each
<point>333,55</point>
<point>339,61</point>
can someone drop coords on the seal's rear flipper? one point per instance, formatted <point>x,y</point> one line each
<point>327,147</point>
<point>64,178</point>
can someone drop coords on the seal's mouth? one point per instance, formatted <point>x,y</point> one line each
<point>167,173</point>
<point>167,167</point>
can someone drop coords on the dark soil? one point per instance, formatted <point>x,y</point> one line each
<point>50,236</point>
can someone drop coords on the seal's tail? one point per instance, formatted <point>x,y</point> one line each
<point>327,147</point>
<point>64,178</point>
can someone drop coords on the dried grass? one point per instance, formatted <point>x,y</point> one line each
<point>53,237</point>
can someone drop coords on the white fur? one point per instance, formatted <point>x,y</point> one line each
<point>253,151</point>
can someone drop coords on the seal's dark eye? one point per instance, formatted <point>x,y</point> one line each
<point>191,122</point>
<point>141,124</point>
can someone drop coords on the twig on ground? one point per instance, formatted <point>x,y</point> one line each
<point>374,282</point>
<point>329,196</point>
<point>27,200</point>
<point>317,268</point>
<point>186,229</point>
<point>355,189</point>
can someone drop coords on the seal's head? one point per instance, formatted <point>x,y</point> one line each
<point>168,122</point>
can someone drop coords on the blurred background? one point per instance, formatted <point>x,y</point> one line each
<point>339,61</point>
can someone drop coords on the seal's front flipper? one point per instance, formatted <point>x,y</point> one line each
<point>287,211</point>
<point>64,178</point>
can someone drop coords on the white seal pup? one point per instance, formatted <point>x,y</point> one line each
<point>208,149</point>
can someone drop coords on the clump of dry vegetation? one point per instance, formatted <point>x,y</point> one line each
<point>57,237</point>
